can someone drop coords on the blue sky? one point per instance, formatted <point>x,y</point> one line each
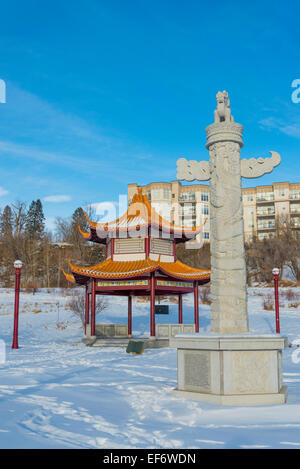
<point>104,93</point>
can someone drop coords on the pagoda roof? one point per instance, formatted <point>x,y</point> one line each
<point>115,270</point>
<point>139,216</point>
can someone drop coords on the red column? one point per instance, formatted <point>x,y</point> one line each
<point>152,305</point>
<point>93,308</point>
<point>87,307</point>
<point>180,308</point>
<point>112,248</point>
<point>276,276</point>
<point>16,313</point>
<point>147,246</point>
<point>196,306</point>
<point>129,314</point>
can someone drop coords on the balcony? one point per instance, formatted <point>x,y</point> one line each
<point>294,195</point>
<point>265,199</point>
<point>266,226</point>
<point>188,217</point>
<point>190,197</point>
<point>184,213</point>
<point>295,222</point>
<point>264,213</point>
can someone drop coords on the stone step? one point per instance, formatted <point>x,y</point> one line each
<point>110,343</point>
<point>123,342</point>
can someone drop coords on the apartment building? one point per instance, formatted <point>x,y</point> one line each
<point>188,205</point>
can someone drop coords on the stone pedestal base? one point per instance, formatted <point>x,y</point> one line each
<point>231,369</point>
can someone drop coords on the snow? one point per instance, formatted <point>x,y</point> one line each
<point>57,393</point>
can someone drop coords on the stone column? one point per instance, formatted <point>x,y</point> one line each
<point>228,268</point>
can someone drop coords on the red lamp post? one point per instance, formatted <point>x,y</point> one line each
<point>276,273</point>
<point>18,267</point>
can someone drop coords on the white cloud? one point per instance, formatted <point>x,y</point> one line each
<point>288,122</point>
<point>57,198</point>
<point>3,191</point>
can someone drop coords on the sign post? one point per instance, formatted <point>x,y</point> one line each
<point>18,267</point>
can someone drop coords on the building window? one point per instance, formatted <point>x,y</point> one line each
<point>205,210</point>
<point>265,196</point>
<point>167,194</point>
<point>295,194</point>
<point>204,196</point>
<point>187,196</point>
<point>281,193</point>
<point>206,235</point>
<point>250,198</point>
<point>155,194</point>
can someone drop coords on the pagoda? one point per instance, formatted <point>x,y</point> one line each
<point>140,261</point>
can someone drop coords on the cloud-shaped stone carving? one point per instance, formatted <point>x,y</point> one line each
<point>256,167</point>
<point>191,170</point>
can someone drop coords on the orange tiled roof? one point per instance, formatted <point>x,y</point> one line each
<point>129,269</point>
<point>140,214</point>
<point>69,277</point>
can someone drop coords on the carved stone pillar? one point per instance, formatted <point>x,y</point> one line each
<point>228,268</point>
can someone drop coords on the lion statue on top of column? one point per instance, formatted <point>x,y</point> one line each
<point>223,111</point>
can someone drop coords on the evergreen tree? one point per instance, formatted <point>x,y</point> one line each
<point>79,219</point>
<point>6,221</point>
<point>35,224</point>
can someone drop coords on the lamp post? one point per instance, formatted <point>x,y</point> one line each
<point>18,267</point>
<point>276,273</point>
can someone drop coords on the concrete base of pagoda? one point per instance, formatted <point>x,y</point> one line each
<point>115,335</point>
<point>109,331</point>
<point>231,369</point>
<point>149,343</point>
<point>118,331</point>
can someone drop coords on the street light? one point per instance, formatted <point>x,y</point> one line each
<point>18,267</point>
<point>276,273</point>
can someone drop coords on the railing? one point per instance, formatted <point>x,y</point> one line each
<point>266,227</point>
<point>265,212</point>
<point>186,199</point>
<point>267,198</point>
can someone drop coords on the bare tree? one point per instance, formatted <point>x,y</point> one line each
<point>77,305</point>
<point>281,250</point>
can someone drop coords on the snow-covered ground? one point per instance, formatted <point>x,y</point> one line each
<point>57,393</point>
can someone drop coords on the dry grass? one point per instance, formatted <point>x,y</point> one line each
<point>204,295</point>
<point>289,294</point>
<point>61,325</point>
<point>268,302</point>
<point>142,299</point>
<point>294,305</point>
<point>30,287</point>
<point>258,293</point>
